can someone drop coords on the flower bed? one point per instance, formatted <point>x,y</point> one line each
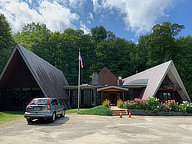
<point>106,103</point>
<point>153,105</point>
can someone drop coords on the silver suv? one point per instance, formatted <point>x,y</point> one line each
<point>46,108</point>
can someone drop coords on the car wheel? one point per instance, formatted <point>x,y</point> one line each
<point>62,114</point>
<point>53,117</point>
<point>29,121</point>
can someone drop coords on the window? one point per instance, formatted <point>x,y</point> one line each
<point>92,97</point>
<point>54,102</point>
<point>39,102</point>
<point>82,97</point>
<point>71,97</point>
<point>165,96</point>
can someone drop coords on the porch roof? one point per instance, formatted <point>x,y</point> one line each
<point>112,88</point>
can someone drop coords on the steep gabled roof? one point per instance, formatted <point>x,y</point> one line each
<point>155,77</point>
<point>106,78</point>
<point>49,79</point>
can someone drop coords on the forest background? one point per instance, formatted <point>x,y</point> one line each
<point>101,48</point>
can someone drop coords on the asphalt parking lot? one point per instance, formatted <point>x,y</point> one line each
<point>91,129</point>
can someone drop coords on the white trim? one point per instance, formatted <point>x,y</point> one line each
<point>181,82</point>
<point>168,68</point>
<point>115,87</point>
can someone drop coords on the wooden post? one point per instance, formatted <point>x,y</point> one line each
<point>123,95</point>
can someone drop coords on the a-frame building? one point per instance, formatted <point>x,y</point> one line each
<point>161,81</point>
<point>26,71</point>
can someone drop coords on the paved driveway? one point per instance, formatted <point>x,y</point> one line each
<point>87,129</point>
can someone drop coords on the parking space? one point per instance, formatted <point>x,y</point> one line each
<point>82,129</point>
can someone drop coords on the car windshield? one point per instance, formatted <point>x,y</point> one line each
<point>39,102</point>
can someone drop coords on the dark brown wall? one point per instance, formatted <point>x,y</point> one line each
<point>106,77</point>
<point>17,74</point>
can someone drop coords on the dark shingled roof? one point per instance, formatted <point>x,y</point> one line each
<point>36,72</point>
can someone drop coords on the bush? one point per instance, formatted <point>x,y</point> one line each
<point>120,103</point>
<point>189,109</point>
<point>98,110</point>
<point>173,106</point>
<point>183,106</point>
<point>106,103</point>
<point>154,105</point>
<point>135,104</point>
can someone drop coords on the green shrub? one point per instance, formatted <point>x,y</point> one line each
<point>164,107</point>
<point>120,103</point>
<point>173,106</point>
<point>106,103</point>
<point>189,109</point>
<point>98,110</point>
<point>135,104</point>
<point>183,106</point>
<point>154,105</point>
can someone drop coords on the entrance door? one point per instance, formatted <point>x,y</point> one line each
<point>113,98</point>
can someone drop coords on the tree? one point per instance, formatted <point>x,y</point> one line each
<point>6,41</point>
<point>35,37</point>
<point>99,33</point>
<point>161,43</point>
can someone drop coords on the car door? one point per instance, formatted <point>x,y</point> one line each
<point>57,107</point>
<point>60,106</point>
<point>54,105</point>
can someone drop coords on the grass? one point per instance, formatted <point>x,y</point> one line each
<point>76,110</point>
<point>98,110</point>
<point>8,116</point>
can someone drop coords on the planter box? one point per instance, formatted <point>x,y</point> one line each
<point>161,113</point>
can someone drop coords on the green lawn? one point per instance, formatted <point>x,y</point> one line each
<point>98,110</point>
<point>76,110</point>
<point>7,116</point>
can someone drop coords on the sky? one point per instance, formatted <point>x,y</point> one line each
<point>127,19</point>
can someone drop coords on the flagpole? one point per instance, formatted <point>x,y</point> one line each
<point>79,81</point>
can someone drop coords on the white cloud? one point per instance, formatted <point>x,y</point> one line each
<point>84,28</point>
<point>57,17</point>
<point>90,18</point>
<point>30,1</point>
<point>97,6</point>
<point>139,16</point>
<point>77,4</point>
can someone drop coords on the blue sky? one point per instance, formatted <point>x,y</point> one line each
<point>125,18</point>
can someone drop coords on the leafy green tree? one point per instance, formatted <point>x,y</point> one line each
<point>6,41</point>
<point>99,33</point>
<point>35,37</point>
<point>184,61</point>
<point>161,43</point>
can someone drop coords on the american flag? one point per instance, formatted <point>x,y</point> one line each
<point>80,59</point>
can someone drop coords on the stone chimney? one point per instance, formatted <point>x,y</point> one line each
<point>119,81</point>
<point>95,79</point>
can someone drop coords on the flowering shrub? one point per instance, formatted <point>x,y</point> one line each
<point>189,108</point>
<point>154,105</point>
<point>164,107</point>
<point>137,103</point>
<point>172,105</point>
<point>106,103</point>
<point>129,104</point>
<point>120,103</point>
<point>183,106</point>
